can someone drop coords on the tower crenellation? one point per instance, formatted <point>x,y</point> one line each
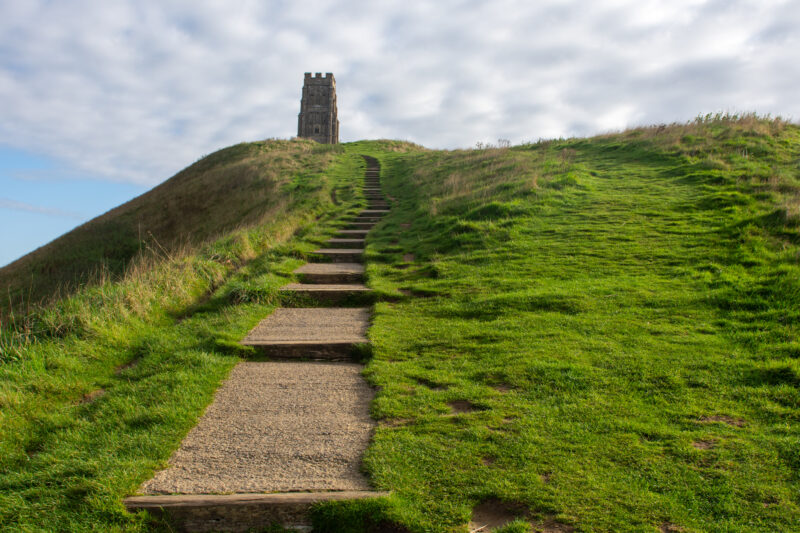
<point>318,118</point>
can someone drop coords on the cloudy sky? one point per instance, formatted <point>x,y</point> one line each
<point>101,100</point>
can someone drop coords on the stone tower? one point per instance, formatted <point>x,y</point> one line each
<point>318,118</point>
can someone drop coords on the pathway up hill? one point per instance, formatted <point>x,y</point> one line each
<point>284,434</point>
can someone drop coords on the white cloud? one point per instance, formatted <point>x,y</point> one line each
<point>134,91</point>
<point>6,203</point>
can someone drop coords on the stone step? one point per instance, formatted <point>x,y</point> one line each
<point>331,272</point>
<point>342,255</point>
<point>331,333</point>
<point>331,293</point>
<point>361,225</point>
<point>345,243</point>
<point>374,212</point>
<point>367,219</point>
<point>200,513</point>
<point>353,233</point>
<point>378,205</point>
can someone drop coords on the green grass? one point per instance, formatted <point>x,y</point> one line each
<point>621,315</point>
<point>601,333</point>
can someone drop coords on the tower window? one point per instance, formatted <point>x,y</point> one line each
<point>316,129</point>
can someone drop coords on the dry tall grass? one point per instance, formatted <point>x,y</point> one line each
<point>239,186</point>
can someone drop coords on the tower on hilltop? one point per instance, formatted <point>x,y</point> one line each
<point>318,118</point>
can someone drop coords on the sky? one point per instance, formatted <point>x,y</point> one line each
<point>102,100</point>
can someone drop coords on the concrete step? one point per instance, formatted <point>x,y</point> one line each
<point>360,225</point>
<point>331,272</point>
<point>330,333</point>
<point>200,513</point>
<point>353,233</point>
<point>342,255</point>
<point>331,293</point>
<point>345,243</point>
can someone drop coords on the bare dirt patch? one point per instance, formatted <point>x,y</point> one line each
<point>405,225</point>
<point>502,387</point>
<point>127,366</point>
<point>546,477</point>
<point>704,444</point>
<point>488,460</point>
<point>462,406</point>
<point>408,258</point>
<point>395,422</point>
<point>725,419</point>
<point>669,527</point>
<point>91,397</point>
<point>494,513</point>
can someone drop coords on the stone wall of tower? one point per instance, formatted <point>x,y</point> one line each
<point>318,118</point>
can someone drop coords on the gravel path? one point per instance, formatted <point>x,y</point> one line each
<point>282,426</point>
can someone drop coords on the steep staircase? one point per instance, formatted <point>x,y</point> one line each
<point>285,434</point>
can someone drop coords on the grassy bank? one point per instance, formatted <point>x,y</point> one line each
<point>598,334</point>
<point>237,187</point>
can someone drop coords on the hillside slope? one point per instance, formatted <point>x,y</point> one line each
<point>235,187</point>
<point>576,335</point>
<point>598,335</point>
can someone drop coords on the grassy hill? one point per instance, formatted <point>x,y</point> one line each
<point>239,186</point>
<point>593,335</point>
